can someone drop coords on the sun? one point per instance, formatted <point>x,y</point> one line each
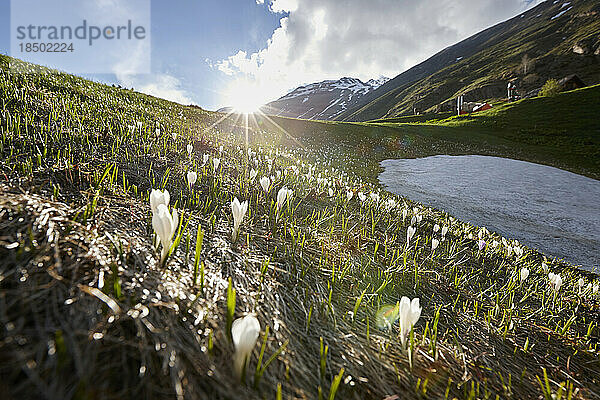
<point>245,104</point>
<point>244,96</point>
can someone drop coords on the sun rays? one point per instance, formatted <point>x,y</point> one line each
<point>251,124</point>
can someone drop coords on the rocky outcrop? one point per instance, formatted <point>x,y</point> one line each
<point>587,46</point>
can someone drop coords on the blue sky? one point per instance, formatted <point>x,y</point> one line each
<point>185,33</point>
<point>221,52</point>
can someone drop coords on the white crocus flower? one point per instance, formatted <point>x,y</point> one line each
<point>244,332</point>
<point>282,196</point>
<point>204,158</point>
<point>165,225</point>
<point>410,232</point>
<point>374,197</point>
<point>173,135</point>
<point>158,197</point>
<point>390,204</point>
<point>444,231</point>
<point>216,163</point>
<point>524,273</point>
<point>545,267</point>
<point>330,192</point>
<point>518,251</point>
<point>265,183</point>
<point>190,148</point>
<point>253,174</point>
<point>239,212</point>
<point>192,177</point>
<point>362,197</point>
<point>580,284</point>
<point>434,244</point>
<point>555,281</point>
<point>436,228</point>
<point>349,195</point>
<point>409,313</point>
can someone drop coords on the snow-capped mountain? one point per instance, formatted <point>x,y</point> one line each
<point>322,100</point>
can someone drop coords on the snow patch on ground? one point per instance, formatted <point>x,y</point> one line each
<point>561,13</point>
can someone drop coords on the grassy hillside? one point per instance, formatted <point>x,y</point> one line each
<point>562,131</point>
<point>480,66</point>
<point>88,311</point>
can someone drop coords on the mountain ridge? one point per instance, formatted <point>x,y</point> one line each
<point>322,100</point>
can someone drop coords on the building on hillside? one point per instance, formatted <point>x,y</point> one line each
<point>512,90</point>
<point>482,107</point>
<point>571,82</point>
<point>472,107</point>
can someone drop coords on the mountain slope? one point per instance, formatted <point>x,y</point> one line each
<point>552,40</point>
<point>322,100</point>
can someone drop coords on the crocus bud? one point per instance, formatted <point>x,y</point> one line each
<point>238,210</point>
<point>165,225</point>
<point>265,183</point>
<point>253,174</point>
<point>409,313</point>
<point>191,178</point>
<point>410,232</point>
<point>282,196</point>
<point>244,332</point>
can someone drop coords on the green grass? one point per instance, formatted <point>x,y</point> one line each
<point>88,311</point>
<point>562,131</point>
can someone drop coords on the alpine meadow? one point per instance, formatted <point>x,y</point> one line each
<point>151,248</point>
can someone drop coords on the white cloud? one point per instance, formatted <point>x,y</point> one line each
<point>328,39</point>
<point>159,85</point>
<point>280,6</point>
